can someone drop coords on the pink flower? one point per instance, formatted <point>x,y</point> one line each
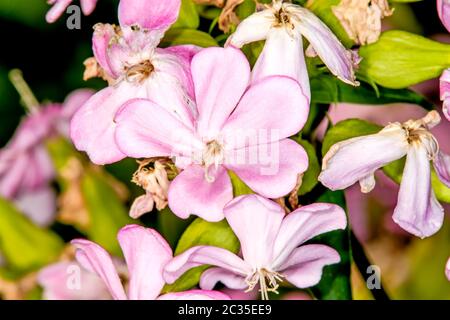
<point>282,26</point>
<point>443,7</point>
<point>26,169</point>
<point>357,159</point>
<point>444,82</point>
<point>138,69</point>
<point>146,253</point>
<point>447,269</point>
<point>59,6</point>
<point>238,128</point>
<point>272,246</point>
<point>57,283</point>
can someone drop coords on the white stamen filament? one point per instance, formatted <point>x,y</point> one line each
<point>267,280</point>
<point>212,155</point>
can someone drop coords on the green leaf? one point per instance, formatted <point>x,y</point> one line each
<point>201,232</point>
<point>327,89</point>
<point>106,212</point>
<point>335,282</point>
<point>170,226</point>
<point>310,177</point>
<point>25,246</point>
<point>347,129</point>
<point>188,36</point>
<point>188,17</point>
<point>239,186</point>
<point>400,59</point>
<point>323,9</point>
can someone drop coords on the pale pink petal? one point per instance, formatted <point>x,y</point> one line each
<point>303,268</point>
<point>444,82</point>
<point>146,253</point>
<point>38,205</point>
<point>337,58</point>
<point>270,170</point>
<point>57,10</point>
<point>88,6</point>
<point>149,14</point>
<point>141,205</point>
<point>304,224</point>
<point>443,7</point>
<point>417,210</point>
<point>101,43</point>
<point>447,269</point>
<point>11,179</point>
<point>92,127</point>
<point>231,280</point>
<point>220,78</point>
<point>255,221</point>
<point>145,130</point>
<point>195,295</point>
<point>58,283</point>
<point>95,259</point>
<point>201,255</point>
<point>190,193</point>
<point>254,120</point>
<point>283,55</point>
<point>253,28</point>
<point>74,101</point>
<point>351,160</point>
<point>442,167</point>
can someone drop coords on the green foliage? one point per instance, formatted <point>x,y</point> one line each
<point>175,37</point>
<point>188,17</point>
<point>310,177</point>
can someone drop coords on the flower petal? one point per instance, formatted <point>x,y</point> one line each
<point>88,6</point>
<point>355,159</point>
<point>201,255</point>
<point>283,55</point>
<point>447,269</point>
<point>149,14</point>
<point>142,205</point>
<point>254,120</point>
<point>231,280</point>
<point>303,268</point>
<point>190,193</point>
<point>95,259</point>
<point>270,170</point>
<point>304,224</point>
<point>145,130</point>
<point>255,221</point>
<point>417,210</point>
<point>38,205</point>
<point>92,127</point>
<point>195,295</point>
<point>220,78</point>
<point>442,167</point>
<point>146,253</point>
<point>444,82</point>
<point>443,7</point>
<point>337,58</point>
<point>101,42</point>
<point>59,6</point>
<point>253,28</point>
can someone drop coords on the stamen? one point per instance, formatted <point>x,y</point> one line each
<point>29,100</point>
<point>212,155</point>
<point>267,280</point>
<point>139,72</point>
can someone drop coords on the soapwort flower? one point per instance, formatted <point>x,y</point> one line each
<point>136,68</point>
<point>357,159</point>
<point>239,127</point>
<point>146,253</point>
<point>283,25</point>
<point>272,245</point>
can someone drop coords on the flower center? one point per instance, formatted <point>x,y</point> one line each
<point>213,154</point>
<point>139,72</point>
<point>267,280</point>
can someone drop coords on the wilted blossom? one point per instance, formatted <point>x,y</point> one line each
<point>156,185</point>
<point>59,6</point>
<point>26,169</point>
<point>357,159</point>
<point>272,245</point>
<point>68,280</point>
<point>282,25</point>
<point>146,253</point>
<point>445,92</point>
<point>443,7</point>
<point>136,68</point>
<point>239,127</point>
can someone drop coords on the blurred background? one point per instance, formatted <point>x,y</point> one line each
<point>51,58</point>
